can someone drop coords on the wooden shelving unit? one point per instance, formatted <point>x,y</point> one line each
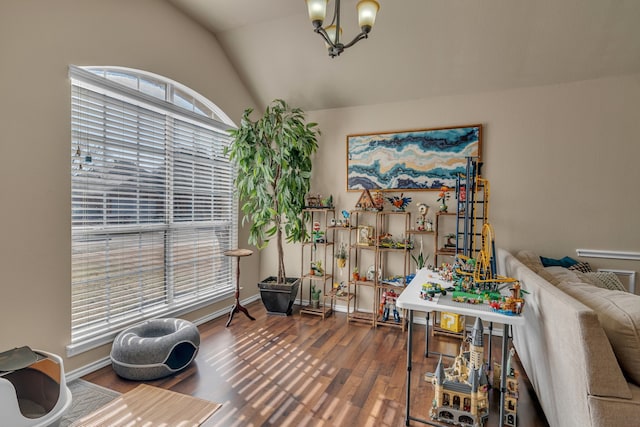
<point>313,251</point>
<point>388,256</point>
<point>341,276</point>
<point>369,227</point>
<point>359,249</point>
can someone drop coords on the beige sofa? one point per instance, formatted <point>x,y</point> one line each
<point>567,348</point>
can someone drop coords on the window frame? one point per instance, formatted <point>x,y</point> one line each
<point>90,78</point>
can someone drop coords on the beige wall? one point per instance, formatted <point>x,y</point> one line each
<point>562,162</point>
<point>38,41</point>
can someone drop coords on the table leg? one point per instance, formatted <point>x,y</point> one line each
<point>409,345</point>
<point>489,362</point>
<point>426,335</point>
<point>503,373</point>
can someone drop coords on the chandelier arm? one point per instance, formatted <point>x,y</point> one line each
<point>336,16</point>
<point>362,35</point>
<point>325,36</point>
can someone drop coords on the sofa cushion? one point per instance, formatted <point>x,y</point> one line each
<point>563,274</point>
<point>530,259</point>
<point>619,315</point>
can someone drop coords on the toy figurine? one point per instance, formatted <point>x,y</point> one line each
<point>345,215</point>
<point>429,224</point>
<point>422,217</point>
<point>388,304</point>
<point>378,200</point>
<point>316,268</point>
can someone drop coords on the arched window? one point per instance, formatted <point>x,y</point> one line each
<point>152,207</point>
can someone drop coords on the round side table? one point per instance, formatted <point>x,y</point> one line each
<point>237,307</point>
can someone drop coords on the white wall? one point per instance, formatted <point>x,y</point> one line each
<point>562,161</point>
<point>38,41</point>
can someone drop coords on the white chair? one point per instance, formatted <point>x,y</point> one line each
<point>33,391</point>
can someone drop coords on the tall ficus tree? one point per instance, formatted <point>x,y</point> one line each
<point>273,160</point>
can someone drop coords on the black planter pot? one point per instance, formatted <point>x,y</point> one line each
<point>277,298</point>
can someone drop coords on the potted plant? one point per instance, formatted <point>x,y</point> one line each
<point>356,274</point>
<point>315,296</point>
<point>342,255</point>
<point>421,259</point>
<point>273,159</point>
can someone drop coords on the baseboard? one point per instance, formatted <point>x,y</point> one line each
<point>87,369</point>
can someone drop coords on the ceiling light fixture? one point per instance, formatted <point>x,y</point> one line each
<point>367,10</point>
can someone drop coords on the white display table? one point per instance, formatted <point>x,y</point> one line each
<point>410,300</point>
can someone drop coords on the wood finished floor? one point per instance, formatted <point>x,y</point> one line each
<point>305,371</point>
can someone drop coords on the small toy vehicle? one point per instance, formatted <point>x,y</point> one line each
<point>430,289</point>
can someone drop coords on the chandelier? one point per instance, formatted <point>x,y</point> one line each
<point>367,10</point>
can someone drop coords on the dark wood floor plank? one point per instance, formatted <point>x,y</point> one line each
<point>305,371</point>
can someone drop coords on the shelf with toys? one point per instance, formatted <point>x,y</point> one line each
<point>342,231</point>
<point>361,265</point>
<point>316,257</point>
<point>392,262</point>
<point>367,255</point>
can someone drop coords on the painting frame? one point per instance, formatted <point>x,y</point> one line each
<point>411,160</point>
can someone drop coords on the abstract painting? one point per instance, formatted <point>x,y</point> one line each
<point>424,159</point>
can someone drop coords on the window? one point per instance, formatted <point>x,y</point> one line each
<point>152,201</point>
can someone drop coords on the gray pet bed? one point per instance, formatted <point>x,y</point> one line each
<point>155,349</point>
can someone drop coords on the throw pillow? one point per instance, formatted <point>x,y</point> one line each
<point>604,279</point>
<point>619,315</point>
<point>565,262</point>
<point>584,267</point>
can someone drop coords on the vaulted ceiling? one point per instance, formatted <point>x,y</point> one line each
<point>421,48</point>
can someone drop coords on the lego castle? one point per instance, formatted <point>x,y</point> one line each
<point>460,395</point>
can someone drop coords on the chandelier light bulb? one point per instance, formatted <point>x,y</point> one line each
<point>317,11</point>
<point>367,11</point>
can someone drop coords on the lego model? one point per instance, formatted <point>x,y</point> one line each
<point>378,200</point>
<point>315,201</point>
<point>388,305</point>
<point>365,202</point>
<point>399,203</point>
<point>430,289</point>
<point>422,217</point>
<point>460,392</point>
<point>511,397</point>
<point>510,305</point>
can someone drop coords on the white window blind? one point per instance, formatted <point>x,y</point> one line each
<point>153,207</point>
